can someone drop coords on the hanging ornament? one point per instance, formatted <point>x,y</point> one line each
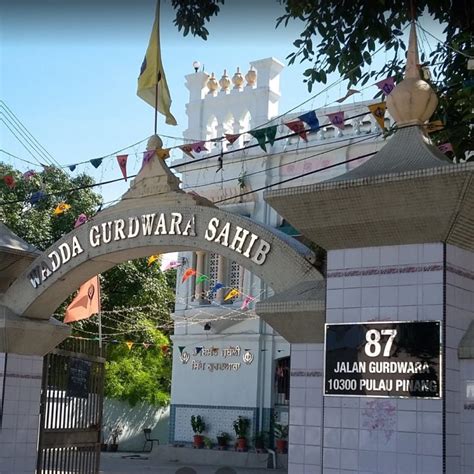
<point>216,287</point>
<point>96,162</point>
<point>311,120</point>
<point>129,344</point>
<point>199,147</point>
<point>298,127</point>
<point>246,302</point>
<point>187,149</point>
<point>171,265</point>
<point>386,85</point>
<point>231,138</point>
<point>72,167</point>
<point>163,153</point>
<point>146,345</point>
<point>201,279</point>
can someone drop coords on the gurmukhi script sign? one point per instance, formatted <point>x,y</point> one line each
<point>234,237</point>
<point>383,359</point>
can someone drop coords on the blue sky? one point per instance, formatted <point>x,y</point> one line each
<point>69,72</point>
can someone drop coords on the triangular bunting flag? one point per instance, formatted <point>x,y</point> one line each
<point>165,348</point>
<point>337,119</point>
<point>445,148</point>
<point>198,349</point>
<point>9,181</point>
<point>311,120</point>
<point>36,197</point>
<point>72,167</point>
<point>216,287</point>
<point>129,344</point>
<point>81,219</point>
<point>232,294</point>
<point>270,132</point>
<point>231,138</point>
<point>122,162</point>
<point>434,126</point>
<point>201,278</point>
<point>181,349</point>
<point>152,259</point>
<point>28,175</point>
<point>348,94</point>
<point>171,265</point>
<point>187,149</point>
<point>163,153</point>
<point>147,156</point>
<point>386,85</point>
<point>96,162</point>
<point>188,273</point>
<point>61,208</point>
<point>246,302</point>
<point>378,111</point>
<point>146,345</point>
<point>260,136</point>
<point>298,127</point>
<point>198,147</point>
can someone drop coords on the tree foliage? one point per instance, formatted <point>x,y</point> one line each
<point>343,35</point>
<point>136,298</point>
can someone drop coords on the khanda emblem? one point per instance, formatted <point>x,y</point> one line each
<point>247,357</point>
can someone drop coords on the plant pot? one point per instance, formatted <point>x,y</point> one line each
<point>222,442</point>
<point>103,447</point>
<point>281,445</point>
<point>114,448</point>
<point>198,441</point>
<point>241,443</point>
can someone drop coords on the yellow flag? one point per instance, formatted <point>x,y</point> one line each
<point>153,74</point>
<point>152,259</point>
<point>61,208</point>
<point>434,126</point>
<point>232,293</point>
<point>378,111</point>
<point>163,153</point>
<point>129,344</point>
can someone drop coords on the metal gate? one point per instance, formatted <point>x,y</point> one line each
<point>71,409</point>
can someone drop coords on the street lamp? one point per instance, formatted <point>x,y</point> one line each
<point>196,65</point>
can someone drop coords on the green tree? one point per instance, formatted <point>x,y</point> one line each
<point>342,35</point>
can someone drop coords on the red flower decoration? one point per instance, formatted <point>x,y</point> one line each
<point>9,181</point>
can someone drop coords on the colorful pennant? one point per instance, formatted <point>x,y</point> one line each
<point>198,147</point>
<point>147,156</point>
<point>348,94</point>
<point>337,119</point>
<point>201,278</point>
<point>9,181</point>
<point>232,294</point>
<point>96,162</point>
<point>146,345</point>
<point>216,287</point>
<point>122,162</point>
<point>378,111</point>
<point>152,259</point>
<point>311,120</point>
<point>386,85</point>
<point>434,126</point>
<point>129,344</point>
<point>61,208</point>
<point>187,149</point>
<point>28,175</point>
<point>36,197</point>
<point>81,219</point>
<point>72,167</point>
<point>231,138</point>
<point>165,348</point>
<point>298,127</point>
<point>188,273</point>
<point>446,148</point>
<point>260,136</point>
<point>163,153</point>
<point>246,302</point>
<point>171,265</point>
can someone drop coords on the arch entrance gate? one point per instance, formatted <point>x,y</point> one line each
<point>155,216</point>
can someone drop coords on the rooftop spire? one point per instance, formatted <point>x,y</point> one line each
<point>411,68</point>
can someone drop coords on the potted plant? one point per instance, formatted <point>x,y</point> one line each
<point>115,432</point>
<point>241,427</point>
<point>259,441</point>
<point>281,435</point>
<point>222,439</point>
<point>207,442</point>
<point>198,426</point>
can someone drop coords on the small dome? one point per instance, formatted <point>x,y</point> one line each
<point>251,77</point>
<point>224,81</point>
<point>154,143</point>
<point>412,100</point>
<point>237,79</point>
<point>212,84</point>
